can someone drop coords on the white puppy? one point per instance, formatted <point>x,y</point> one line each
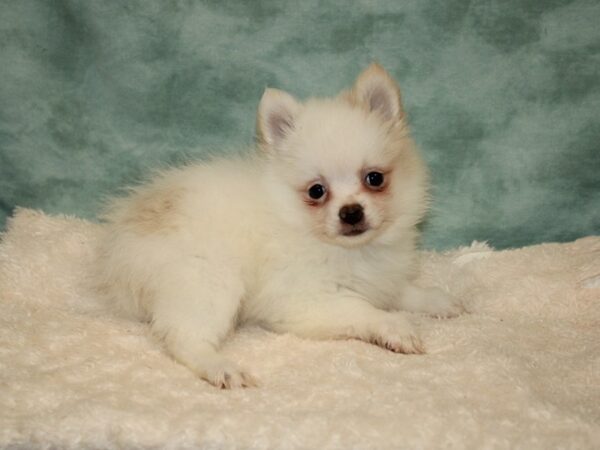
<point>313,234</point>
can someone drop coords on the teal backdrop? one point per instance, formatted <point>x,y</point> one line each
<point>503,97</point>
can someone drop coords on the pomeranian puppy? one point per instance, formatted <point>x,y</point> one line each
<point>313,234</point>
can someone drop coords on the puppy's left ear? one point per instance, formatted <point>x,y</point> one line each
<point>377,91</point>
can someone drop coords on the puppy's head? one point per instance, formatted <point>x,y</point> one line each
<point>344,169</point>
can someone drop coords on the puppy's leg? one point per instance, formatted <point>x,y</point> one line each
<point>432,301</point>
<point>348,317</point>
<point>195,307</point>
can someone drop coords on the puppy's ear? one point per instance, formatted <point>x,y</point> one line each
<point>276,117</point>
<point>377,91</point>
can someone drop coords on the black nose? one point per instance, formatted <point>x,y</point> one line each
<point>351,214</point>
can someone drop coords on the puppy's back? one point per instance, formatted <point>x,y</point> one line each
<point>201,209</point>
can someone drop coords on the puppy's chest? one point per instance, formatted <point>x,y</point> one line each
<point>372,277</point>
<point>299,271</point>
<point>379,283</point>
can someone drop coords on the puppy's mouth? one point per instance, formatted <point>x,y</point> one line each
<point>355,231</point>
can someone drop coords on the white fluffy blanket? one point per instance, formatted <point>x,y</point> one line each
<point>521,370</point>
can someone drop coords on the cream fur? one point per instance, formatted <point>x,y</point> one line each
<point>202,248</point>
<point>519,371</point>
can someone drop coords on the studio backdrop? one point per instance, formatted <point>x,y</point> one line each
<point>503,97</point>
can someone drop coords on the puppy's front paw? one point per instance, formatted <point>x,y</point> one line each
<point>398,338</point>
<point>224,374</point>
<point>437,303</point>
<point>432,301</point>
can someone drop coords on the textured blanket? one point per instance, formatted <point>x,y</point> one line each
<point>521,369</point>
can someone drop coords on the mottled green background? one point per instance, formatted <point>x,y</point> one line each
<point>503,95</point>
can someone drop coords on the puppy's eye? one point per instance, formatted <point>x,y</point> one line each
<point>316,191</point>
<point>374,179</point>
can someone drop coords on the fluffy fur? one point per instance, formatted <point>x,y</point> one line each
<point>202,248</point>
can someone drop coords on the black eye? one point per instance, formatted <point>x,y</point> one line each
<point>374,179</point>
<point>316,191</point>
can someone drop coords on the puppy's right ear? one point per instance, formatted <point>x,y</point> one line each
<point>276,117</point>
<point>379,93</point>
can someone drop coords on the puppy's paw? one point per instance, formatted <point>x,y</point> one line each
<point>224,374</point>
<point>397,338</point>
<point>437,303</point>
<point>431,301</point>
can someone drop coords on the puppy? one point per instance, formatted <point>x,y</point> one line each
<point>312,234</point>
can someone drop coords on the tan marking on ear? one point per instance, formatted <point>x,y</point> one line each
<point>374,77</point>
